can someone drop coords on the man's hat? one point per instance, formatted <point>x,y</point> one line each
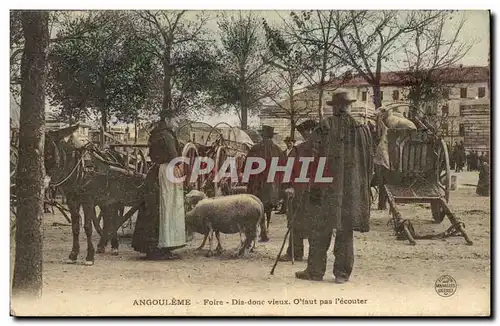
<point>267,131</point>
<point>307,125</point>
<point>341,98</point>
<point>288,138</point>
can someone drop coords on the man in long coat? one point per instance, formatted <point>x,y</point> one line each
<point>304,204</point>
<point>160,225</point>
<point>345,201</point>
<point>267,192</point>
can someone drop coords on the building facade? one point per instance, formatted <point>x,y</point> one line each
<point>463,116</point>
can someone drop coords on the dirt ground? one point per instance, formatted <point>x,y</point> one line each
<point>390,277</point>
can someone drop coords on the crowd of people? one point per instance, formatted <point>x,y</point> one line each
<point>461,160</point>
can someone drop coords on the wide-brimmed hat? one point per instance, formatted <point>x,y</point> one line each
<point>307,125</point>
<point>267,131</point>
<point>341,98</point>
<point>289,139</point>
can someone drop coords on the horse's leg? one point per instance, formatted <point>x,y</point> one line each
<point>103,241</point>
<point>74,209</point>
<point>118,211</point>
<point>89,215</point>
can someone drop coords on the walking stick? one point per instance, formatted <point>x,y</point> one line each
<point>281,250</point>
<point>290,229</point>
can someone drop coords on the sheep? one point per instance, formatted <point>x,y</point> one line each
<point>193,197</point>
<point>227,214</point>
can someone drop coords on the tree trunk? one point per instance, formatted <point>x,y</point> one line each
<point>167,89</point>
<point>320,103</point>
<point>135,130</point>
<point>27,279</point>
<point>377,101</point>
<point>243,97</point>
<point>104,126</point>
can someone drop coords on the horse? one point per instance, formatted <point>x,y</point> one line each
<point>86,181</point>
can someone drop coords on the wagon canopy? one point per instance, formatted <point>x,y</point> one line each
<point>196,132</point>
<point>204,134</point>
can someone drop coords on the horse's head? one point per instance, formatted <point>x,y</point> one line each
<point>54,141</point>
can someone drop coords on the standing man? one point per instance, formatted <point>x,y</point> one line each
<point>304,204</point>
<point>345,201</point>
<point>267,192</point>
<point>160,226</point>
<point>290,151</point>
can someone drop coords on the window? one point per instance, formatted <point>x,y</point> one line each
<point>444,110</point>
<point>395,95</point>
<point>444,126</point>
<point>363,96</point>
<point>462,109</point>
<point>463,92</point>
<point>461,130</point>
<point>481,92</point>
<point>381,96</point>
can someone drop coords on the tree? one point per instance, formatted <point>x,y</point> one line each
<point>185,55</point>
<point>27,279</point>
<point>242,80</point>
<point>314,31</point>
<point>368,39</point>
<point>290,61</point>
<point>98,65</point>
<point>430,60</point>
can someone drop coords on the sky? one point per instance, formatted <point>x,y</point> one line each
<point>476,29</point>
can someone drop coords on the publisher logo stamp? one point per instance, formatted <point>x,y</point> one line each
<point>445,286</point>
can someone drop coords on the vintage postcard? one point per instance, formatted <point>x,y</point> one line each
<point>250,163</point>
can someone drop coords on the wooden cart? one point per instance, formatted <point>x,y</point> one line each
<point>419,172</point>
<point>217,142</point>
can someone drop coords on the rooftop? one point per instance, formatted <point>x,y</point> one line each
<point>459,74</point>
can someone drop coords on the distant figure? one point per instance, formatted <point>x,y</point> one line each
<point>483,185</point>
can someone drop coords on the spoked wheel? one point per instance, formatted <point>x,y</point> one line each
<point>240,165</point>
<point>443,181</point>
<point>223,186</point>
<point>143,167</point>
<point>191,152</point>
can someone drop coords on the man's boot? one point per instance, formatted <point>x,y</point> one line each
<point>305,275</point>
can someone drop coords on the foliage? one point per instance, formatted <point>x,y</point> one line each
<point>98,67</point>
<point>291,62</point>
<point>185,56</point>
<point>430,57</point>
<point>241,82</point>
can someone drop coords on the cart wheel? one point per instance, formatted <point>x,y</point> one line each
<point>437,210</point>
<point>191,152</point>
<point>443,176</point>
<point>144,162</point>
<point>220,157</point>
<point>240,165</point>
